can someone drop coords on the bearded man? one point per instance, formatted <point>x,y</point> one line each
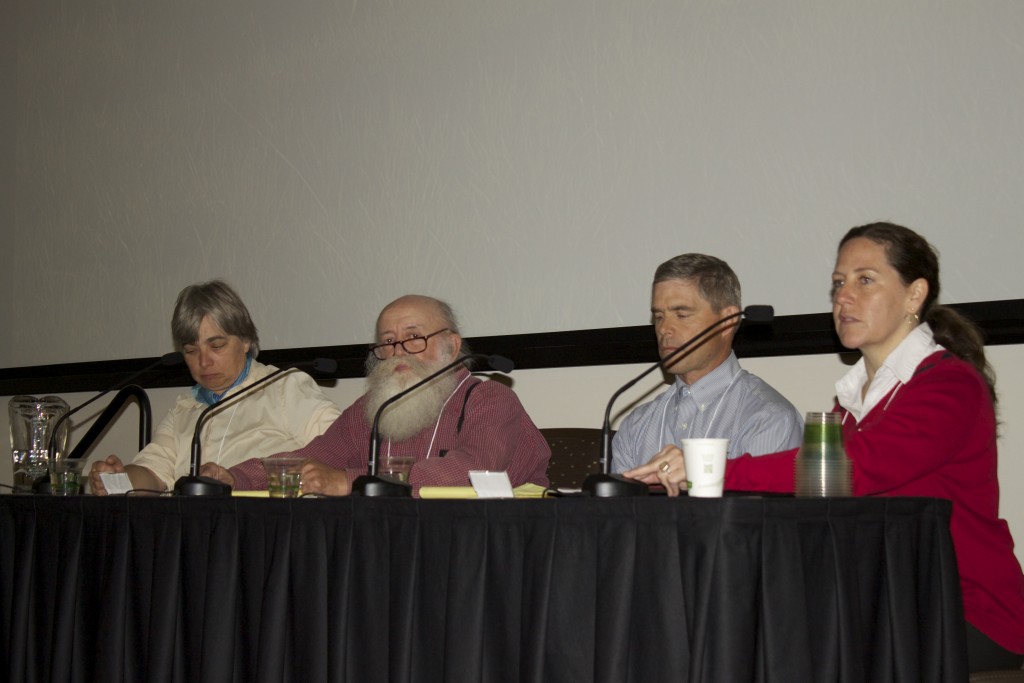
<point>452,425</point>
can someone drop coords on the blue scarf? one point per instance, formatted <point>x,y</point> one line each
<point>207,397</point>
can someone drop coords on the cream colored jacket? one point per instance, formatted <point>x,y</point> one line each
<point>283,415</point>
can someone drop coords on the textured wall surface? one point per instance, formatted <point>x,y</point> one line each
<point>531,161</point>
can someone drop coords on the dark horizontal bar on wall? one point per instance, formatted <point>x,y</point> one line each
<point>1002,322</point>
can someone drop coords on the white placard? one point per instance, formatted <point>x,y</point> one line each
<point>116,482</point>
<point>491,484</point>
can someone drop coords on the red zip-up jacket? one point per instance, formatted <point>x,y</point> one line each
<point>935,437</point>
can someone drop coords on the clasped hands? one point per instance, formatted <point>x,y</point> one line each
<point>316,478</point>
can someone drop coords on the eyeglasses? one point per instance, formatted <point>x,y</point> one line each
<point>411,345</point>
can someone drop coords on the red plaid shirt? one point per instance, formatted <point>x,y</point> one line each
<point>482,427</point>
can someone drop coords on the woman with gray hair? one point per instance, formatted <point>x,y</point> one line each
<point>212,328</point>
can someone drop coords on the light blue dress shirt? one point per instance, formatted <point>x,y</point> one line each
<point>728,403</point>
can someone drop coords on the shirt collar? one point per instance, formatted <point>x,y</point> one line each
<point>203,395</point>
<point>917,346</point>
<point>898,368</point>
<point>713,383</point>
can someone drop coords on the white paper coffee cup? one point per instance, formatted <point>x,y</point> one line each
<point>705,466</point>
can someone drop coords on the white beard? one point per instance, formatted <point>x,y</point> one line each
<point>408,415</point>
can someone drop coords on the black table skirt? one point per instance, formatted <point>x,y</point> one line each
<point>653,589</point>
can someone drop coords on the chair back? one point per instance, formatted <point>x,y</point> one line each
<point>575,453</point>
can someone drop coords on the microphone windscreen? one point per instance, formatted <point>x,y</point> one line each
<point>501,364</point>
<point>325,365</point>
<point>759,314</point>
<point>172,358</point>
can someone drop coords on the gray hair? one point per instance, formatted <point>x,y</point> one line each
<point>715,280</point>
<point>452,323</point>
<point>448,315</point>
<point>217,300</point>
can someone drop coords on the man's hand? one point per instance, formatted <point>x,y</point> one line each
<point>319,478</point>
<point>666,467</point>
<point>111,464</point>
<point>215,471</point>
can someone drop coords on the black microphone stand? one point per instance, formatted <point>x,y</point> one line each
<point>371,485</point>
<point>126,391</point>
<point>608,485</point>
<point>169,359</point>
<point>192,484</point>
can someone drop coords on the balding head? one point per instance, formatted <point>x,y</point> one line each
<point>414,315</point>
<point>424,307</point>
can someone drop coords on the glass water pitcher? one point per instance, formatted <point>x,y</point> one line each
<point>32,426</point>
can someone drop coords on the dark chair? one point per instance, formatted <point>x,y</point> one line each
<point>575,453</point>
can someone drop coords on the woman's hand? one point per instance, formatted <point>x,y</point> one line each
<point>111,464</point>
<point>665,468</point>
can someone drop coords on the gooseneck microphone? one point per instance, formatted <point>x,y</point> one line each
<point>370,485</point>
<point>194,485</point>
<point>168,359</point>
<point>608,485</point>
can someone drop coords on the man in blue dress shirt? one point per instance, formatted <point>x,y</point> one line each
<point>712,396</point>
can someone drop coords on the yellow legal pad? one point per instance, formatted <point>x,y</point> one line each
<point>524,491</point>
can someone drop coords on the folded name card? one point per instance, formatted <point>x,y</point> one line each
<point>491,484</point>
<point>116,482</point>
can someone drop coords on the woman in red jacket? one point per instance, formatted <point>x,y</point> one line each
<point>918,420</point>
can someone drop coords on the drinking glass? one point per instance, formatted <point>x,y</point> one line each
<point>822,467</point>
<point>284,476</point>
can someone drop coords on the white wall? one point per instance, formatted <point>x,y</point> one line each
<point>576,397</point>
<point>327,155</point>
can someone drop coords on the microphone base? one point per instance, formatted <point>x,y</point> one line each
<point>380,487</point>
<point>42,485</point>
<point>201,486</point>
<point>613,486</point>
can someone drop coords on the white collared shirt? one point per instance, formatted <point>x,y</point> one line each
<point>897,370</point>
